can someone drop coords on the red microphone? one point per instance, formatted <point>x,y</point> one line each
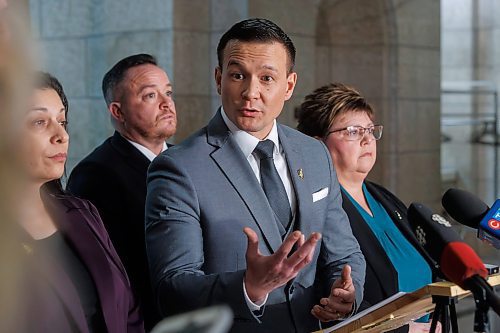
<point>458,262</point>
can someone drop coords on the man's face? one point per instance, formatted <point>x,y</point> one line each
<point>254,84</point>
<point>144,105</point>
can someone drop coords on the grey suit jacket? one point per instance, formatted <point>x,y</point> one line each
<point>202,193</point>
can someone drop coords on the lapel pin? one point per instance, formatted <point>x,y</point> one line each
<point>300,172</point>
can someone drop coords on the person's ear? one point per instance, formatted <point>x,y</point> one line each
<point>291,81</point>
<point>218,78</point>
<point>116,111</point>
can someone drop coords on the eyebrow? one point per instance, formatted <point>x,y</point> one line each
<point>42,109</point>
<point>169,85</point>
<point>367,126</point>
<point>233,63</point>
<point>237,63</point>
<point>271,68</point>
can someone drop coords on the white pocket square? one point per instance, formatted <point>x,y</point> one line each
<point>320,194</point>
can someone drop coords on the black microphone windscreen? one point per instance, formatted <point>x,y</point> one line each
<point>456,259</point>
<point>464,207</point>
<point>433,232</point>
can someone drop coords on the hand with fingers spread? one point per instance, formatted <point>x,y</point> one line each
<point>340,302</point>
<point>266,273</point>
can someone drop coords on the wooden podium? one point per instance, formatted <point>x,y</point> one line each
<point>402,308</point>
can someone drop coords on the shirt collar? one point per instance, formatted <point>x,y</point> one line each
<point>248,142</point>
<point>145,151</point>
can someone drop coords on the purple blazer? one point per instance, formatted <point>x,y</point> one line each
<point>52,300</point>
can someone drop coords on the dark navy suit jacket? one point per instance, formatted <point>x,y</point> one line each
<point>113,178</point>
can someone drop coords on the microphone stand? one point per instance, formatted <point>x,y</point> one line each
<point>446,313</point>
<point>484,297</point>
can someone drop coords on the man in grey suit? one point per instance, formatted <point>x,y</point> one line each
<point>228,210</point>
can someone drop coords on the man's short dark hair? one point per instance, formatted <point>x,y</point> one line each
<point>45,81</point>
<point>116,74</point>
<point>257,30</point>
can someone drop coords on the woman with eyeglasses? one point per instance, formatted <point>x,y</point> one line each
<point>74,280</point>
<point>340,117</point>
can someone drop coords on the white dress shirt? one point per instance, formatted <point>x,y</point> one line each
<point>145,151</point>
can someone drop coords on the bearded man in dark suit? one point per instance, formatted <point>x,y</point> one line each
<point>138,95</point>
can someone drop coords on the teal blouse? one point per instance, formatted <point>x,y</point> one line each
<point>413,271</point>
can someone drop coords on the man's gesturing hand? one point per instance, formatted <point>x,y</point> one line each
<point>341,299</point>
<point>266,273</point>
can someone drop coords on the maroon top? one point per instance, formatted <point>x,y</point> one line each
<point>53,304</point>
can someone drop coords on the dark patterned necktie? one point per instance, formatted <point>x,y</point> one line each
<point>272,184</point>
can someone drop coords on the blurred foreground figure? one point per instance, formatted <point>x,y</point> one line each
<point>14,83</point>
<point>213,319</point>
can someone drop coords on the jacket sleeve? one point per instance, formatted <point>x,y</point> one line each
<point>174,242</point>
<point>135,322</point>
<point>339,246</point>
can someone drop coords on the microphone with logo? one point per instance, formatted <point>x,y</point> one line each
<point>471,211</point>
<point>458,262</point>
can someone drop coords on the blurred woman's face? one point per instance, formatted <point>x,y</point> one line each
<point>352,157</point>
<point>44,144</point>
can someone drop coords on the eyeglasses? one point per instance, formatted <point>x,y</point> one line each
<point>356,133</point>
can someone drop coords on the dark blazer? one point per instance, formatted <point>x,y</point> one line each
<point>113,178</point>
<point>52,301</point>
<point>203,192</point>
<point>381,277</point>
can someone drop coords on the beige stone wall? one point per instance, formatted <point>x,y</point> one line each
<point>416,147</point>
<point>389,49</point>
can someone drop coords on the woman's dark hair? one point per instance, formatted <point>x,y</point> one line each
<point>45,81</point>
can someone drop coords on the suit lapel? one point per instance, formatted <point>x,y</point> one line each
<point>300,184</point>
<point>235,167</point>
<point>303,194</point>
<point>372,249</point>
<point>131,155</point>
<point>72,222</point>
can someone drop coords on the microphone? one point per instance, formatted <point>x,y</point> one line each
<point>469,210</point>
<point>458,262</point>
